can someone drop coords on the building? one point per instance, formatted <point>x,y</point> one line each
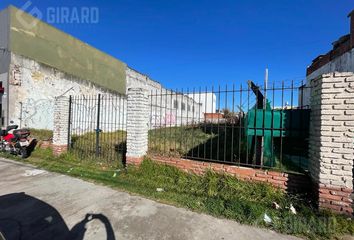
<point>339,59</point>
<point>207,101</point>
<point>39,62</point>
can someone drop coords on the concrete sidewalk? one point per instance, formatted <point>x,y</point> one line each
<point>55,206</point>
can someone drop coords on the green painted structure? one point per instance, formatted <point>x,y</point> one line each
<point>292,125</point>
<point>48,45</point>
<point>284,123</point>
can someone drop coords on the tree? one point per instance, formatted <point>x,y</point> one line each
<point>230,117</point>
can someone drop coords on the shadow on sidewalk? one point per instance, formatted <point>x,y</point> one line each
<point>25,217</point>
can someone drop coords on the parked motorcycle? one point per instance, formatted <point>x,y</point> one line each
<point>16,141</point>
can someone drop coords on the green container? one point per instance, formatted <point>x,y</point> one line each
<point>291,124</point>
<point>285,123</point>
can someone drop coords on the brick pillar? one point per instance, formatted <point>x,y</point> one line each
<point>137,125</point>
<point>61,124</point>
<point>331,140</point>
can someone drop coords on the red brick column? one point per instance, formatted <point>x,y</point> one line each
<point>335,198</point>
<point>58,150</point>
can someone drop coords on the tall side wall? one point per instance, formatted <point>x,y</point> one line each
<point>343,63</point>
<point>33,87</point>
<point>166,107</point>
<point>46,44</point>
<point>4,62</point>
<point>139,80</point>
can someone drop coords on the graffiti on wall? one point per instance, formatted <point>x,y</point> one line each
<point>16,78</point>
<point>167,119</point>
<point>36,112</point>
<point>84,115</point>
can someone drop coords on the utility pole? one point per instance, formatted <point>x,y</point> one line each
<point>265,88</point>
<point>264,114</point>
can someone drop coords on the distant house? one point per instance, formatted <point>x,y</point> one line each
<point>214,117</point>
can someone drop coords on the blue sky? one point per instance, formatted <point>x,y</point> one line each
<point>199,43</point>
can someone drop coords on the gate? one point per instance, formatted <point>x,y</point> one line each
<point>97,127</point>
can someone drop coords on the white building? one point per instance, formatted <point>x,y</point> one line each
<point>207,101</point>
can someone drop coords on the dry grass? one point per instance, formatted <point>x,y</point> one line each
<point>41,134</point>
<point>176,141</point>
<point>111,146</point>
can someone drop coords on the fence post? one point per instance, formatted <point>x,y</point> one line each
<point>69,121</point>
<point>98,130</point>
<point>137,125</point>
<point>331,151</point>
<point>61,125</point>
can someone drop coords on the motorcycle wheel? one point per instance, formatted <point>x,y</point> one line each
<point>23,152</point>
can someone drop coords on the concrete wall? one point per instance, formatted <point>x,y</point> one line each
<point>167,108</point>
<point>344,63</point>
<point>41,62</point>
<point>139,80</point>
<point>207,101</point>
<point>112,113</point>
<point>4,61</point>
<point>33,87</point>
<point>48,45</point>
<point>304,97</point>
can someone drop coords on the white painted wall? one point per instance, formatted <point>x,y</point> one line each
<point>207,101</point>
<point>304,97</point>
<point>170,109</point>
<point>33,87</point>
<point>164,110</point>
<point>139,80</point>
<point>344,63</point>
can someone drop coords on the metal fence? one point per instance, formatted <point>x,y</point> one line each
<point>97,127</point>
<point>247,125</point>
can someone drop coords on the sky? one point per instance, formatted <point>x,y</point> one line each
<point>187,44</point>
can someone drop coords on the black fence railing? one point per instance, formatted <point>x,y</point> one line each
<point>247,126</point>
<point>97,127</point>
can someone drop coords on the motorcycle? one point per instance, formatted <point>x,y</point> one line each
<point>15,141</point>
